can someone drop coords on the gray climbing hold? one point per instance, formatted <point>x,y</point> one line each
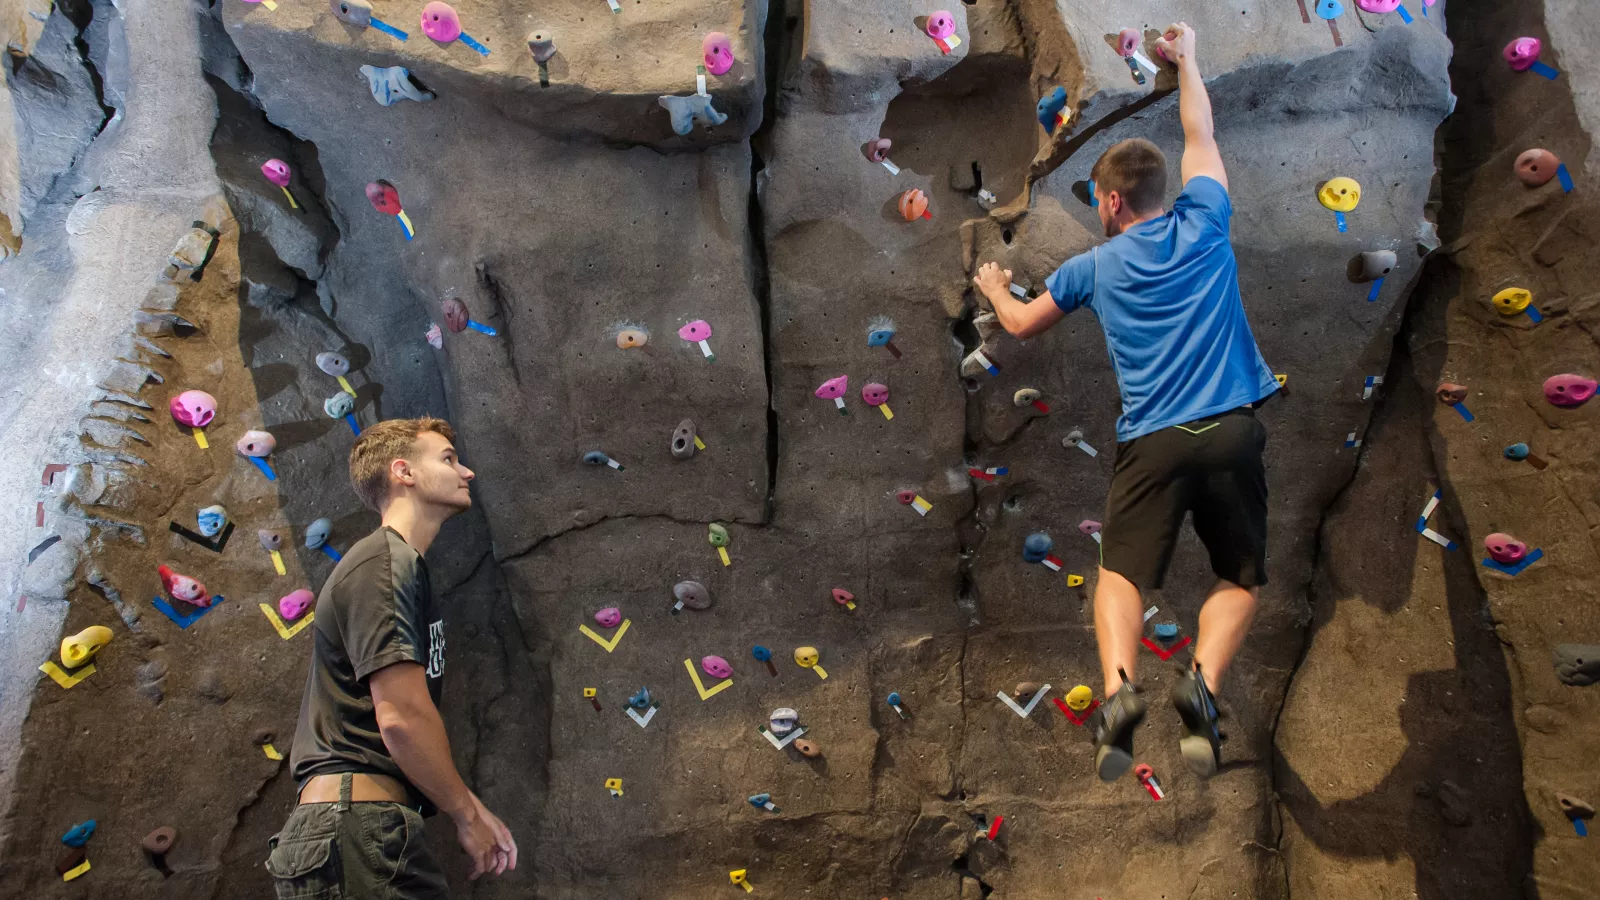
<point>683,440</point>
<point>783,720</point>
<point>1573,808</point>
<point>393,84</point>
<point>1073,438</point>
<point>339,405</point>
<point>692,594</point>
<point>352,12</point>
<point>685,111</point>
<point>1025,397</point>
<point>317,533</point>
<point>542,45</point>
<point>1577,664</point>
<point>270,540</point>
<point>333,364</point>
<point>191,249</point>
<point>1026,689</point>
<point>1370,266</point>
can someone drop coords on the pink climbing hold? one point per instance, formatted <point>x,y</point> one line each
<point>1378,6</point>
<point>294,605</point>
<point>1504,548</point>
<point>1089,526</point>
<point>718,53</point>
<point>1568,390</point>
<point>1128,40</point>
<point>843,597</point>
<point>905,497</point>
<point>440,22</point>
<point>834,388</point>
<point>610,617</point>
<point>195,409</point>
<point>257,444</point>
<point>716,666</point>
<point>1537,166</point>
<point>277,172</point>
<point>877,149</point>
<point>698,330</point>
<point>384,198</point>
<point>182,587</point>
<point>1522,53</point>
<point>875,394</point>
<point>941,25</point>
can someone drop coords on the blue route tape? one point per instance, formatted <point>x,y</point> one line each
<point>331,553</point>
<point>405,228</point>
<point>481,328</point>
<point>1542,69</point>
<point>1376,287</point>
<point>190,619</point>
<point>1466,414</point>
<point>1339,218</point>
<point>1533,313</point>
<point>1565,176</point>
<point>390,30</point>
<point>1515,569</point>
<point>1405,14</point>
<point>1580,828</point>
<point>467,39</point>
<point>354,425</point>
<point>264,466</point>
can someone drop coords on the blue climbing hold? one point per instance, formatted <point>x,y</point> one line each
<point>640,700</point>
<point>1517,452</point>
<point>761,653</point>
<point>79,834</point>
<point>1329,9</point>
<point>880,337</point>
<point>894,699</point>
<point>1050,106</point>
<point>1036,547</point>
<point>759,801</point>
<point>1166,632</point>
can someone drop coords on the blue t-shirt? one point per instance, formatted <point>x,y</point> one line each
<point>1166,293</point>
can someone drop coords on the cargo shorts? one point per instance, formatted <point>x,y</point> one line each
<point>354,851</point>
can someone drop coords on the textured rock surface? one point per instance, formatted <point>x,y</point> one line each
<point>1383,743</point>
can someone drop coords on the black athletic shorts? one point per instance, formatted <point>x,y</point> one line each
<point>1211,467</point>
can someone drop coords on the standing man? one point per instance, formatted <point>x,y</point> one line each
<point>370,752</point>
<point>1165,288</point>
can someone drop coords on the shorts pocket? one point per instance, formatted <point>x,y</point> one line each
<point>305,868</point>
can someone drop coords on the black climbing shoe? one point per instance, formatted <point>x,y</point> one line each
<point>1201,742</point>
<point>1113,725</point>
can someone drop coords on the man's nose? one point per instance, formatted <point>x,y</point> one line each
<point>467,473</point>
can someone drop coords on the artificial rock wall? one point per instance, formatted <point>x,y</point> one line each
<point>560,214</point>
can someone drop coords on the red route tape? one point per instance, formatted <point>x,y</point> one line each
<point>1165,655</point>
<point>1076,718</point>
<point>995,828</point>
<point>50,471</point>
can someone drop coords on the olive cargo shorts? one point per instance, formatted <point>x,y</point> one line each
<point>353,851</point>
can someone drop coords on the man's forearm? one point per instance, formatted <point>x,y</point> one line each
<point>418,743</point>
<point>1194,104</point>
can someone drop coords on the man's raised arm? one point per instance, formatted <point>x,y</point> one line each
<point>1200,153</point>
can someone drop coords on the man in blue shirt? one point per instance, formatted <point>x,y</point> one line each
<point>1165,287</point>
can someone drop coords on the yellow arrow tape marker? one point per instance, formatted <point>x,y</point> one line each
<point>285,631</point>
<point>271,752</point>
<point>700,686</point>
<point>200,438</point>
<point>615,638</point>
<point>75,872</point>
<point>346,385</point>
<point>59,676</point>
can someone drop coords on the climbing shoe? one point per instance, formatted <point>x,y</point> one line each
<point>1201,742</point>
<point>1113,725</point>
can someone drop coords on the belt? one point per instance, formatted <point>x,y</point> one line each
<point>364,788</point>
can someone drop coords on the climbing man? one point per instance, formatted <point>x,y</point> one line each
<point>1165,288</point>
<point>370,753</point>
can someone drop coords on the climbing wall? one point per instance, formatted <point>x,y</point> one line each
<point>742,601</point>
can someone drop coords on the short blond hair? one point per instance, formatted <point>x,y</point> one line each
<point>1135,169</point>
<point>382,444</point>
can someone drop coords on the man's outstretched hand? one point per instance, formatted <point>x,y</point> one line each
<point>486,840</point>
<point>1178,43</point>
<point>992,280</point>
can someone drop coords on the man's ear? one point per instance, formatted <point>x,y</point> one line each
<point>400,470</point>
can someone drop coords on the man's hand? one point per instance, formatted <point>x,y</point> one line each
<point>485,839</point>
<point>992,280</point>
<point>1177,44</point>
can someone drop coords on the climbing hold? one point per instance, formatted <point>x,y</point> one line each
<point>1036,546</point>
<point>716,666</point>
<point>1026,689</point>
<point>1450,394</point>
<point>806,656</point>
<point>211,520</point>
<point>392,84</point>
<point>79,834</point>
<point>844,598</point>
<point>1025,397</point>
<point>807,748</point>
<point>1517,452</point>
<point>876,394</point>
<point>698,332</point>
<point>1370,266</point>
<point>905,497</point>
<point>441,23</point>
<point>898,704</point>
<point>1166,632</point>
<point>942,28</point>
<point>610,617</point>
<point>1079,698</point>
<point>79,648</point>
<point>597,458</point>
<point>1340,194</point>
<point>1536,167</point>
<point>455,314</point>
<point>192,250</point>
<point>640,700</point>
<point>685,111</point>
<point>1577,664</point>
<point>542,45</point>
<point>914,205</point>
<point>257,444</point>
<point>631,338</point>
<point>1512,301</point>
<point>294,604</point>
<point>877,149</point>
<point>880,333</point>
<point>833,389</point>
<point>683,440</point>
<point>1050,109</point>
<point>693,594</point>
<point>160,840</point>
<point>1128,40</point>
<point>762,654</point>
<point>1568,390</point>
<point>1522,53</point>
<point>1573,808</point>
<point>1089,527</point>
<point>717,535</point>
<point>717,51</point>
<point>386,199</point>
<point>182,587</point>
<point>195,409</point>
<point>271,541</point>
<point>352,12</point>
<point>1504,548</point>
<point>782,721</point>
<point>276,171</point>
<point>317,533</point>
<point>1329,9</point>
<point>762,801</point>
<point>333,364</point>
<point>1378,6</point>
<point>339,405</point>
